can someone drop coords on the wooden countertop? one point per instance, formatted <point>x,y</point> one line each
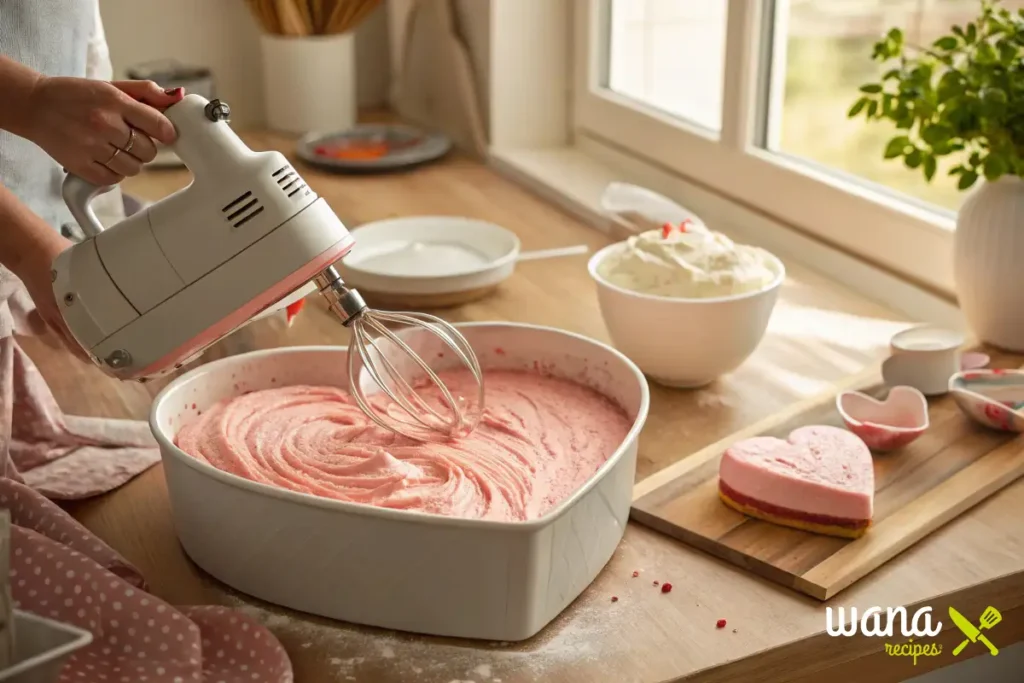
<point>820,333</point>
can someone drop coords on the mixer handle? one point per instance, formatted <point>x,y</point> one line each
<point>78,195</point>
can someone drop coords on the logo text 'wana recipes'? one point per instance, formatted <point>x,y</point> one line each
<point>876,623</point>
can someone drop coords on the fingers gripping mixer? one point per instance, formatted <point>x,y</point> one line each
<point>245,238</point>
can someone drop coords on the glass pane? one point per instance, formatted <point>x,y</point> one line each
<point>826,47</point>
<point>670,55</point>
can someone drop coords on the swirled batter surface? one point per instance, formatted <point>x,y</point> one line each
<point>539,440</point>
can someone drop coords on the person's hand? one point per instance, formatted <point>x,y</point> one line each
<point>34,268</point>
<point>99,131</point>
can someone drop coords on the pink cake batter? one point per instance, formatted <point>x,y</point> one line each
<point>538,441</point>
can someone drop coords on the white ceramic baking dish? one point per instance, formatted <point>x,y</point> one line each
<point>392,568</point>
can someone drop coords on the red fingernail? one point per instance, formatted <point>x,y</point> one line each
<point>174,91</point>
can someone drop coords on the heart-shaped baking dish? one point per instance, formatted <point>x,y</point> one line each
<point>885,425</point>
<point>993,398</point>
<point>391,568</point>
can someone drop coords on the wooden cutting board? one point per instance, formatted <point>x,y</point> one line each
<point>955,465</point>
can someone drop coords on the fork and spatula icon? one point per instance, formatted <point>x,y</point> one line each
<point>989,618</point>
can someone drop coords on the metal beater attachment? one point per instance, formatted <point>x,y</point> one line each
<point>404,394</point>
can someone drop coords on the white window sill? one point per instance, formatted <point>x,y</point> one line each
<point>573,177</point>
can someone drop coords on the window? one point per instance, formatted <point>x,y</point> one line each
<point>749,98</point>
<point>656,45</point>
<point>807,116</point>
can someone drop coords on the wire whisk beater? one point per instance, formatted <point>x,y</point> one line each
<point>391,367</point>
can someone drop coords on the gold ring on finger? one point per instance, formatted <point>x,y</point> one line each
<point>131,140</point>
<point>117,151</point>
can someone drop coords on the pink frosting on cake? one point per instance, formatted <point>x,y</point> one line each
<point>819,470</point>
<point>538,441</point>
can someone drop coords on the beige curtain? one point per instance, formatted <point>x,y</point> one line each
<point>434,80</point>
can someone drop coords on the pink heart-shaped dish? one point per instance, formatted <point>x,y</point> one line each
<point>885,425</point>
<point>819,479</point>
<point>993,398</point>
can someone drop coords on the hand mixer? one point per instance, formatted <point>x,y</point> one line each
<point>245,238</point>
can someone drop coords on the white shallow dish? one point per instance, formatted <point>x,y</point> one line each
<point>41,648</point>
<point>430,255</point>
<point>391,568</point>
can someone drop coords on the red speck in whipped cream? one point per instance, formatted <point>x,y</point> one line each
<point>636,574</point>
<point>499,351</point>
<point>615,598</point>
<point>667,229</point>
<point>721,624</point>
<point>655,583</point>
<point>666,588</point>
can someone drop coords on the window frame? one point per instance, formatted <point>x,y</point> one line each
<point>899,234</point>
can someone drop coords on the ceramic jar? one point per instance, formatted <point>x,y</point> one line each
<point>309,82</point>
<point>988,253</point>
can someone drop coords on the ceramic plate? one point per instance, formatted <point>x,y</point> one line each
<point>429,261</point>
<point>372,148</point>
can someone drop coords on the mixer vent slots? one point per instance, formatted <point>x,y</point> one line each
<point>290,182</point>
<point>242,209</point>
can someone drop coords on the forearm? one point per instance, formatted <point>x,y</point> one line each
<point>25,238</point>
<point>17,83</point>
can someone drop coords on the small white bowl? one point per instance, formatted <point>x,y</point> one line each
<point>686,343</point>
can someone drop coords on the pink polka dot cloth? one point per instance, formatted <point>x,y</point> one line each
<point>61,571</point>
<point>62,456</point>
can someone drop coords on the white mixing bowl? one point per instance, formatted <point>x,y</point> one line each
<point>684,343</point>
<point>394,568</point>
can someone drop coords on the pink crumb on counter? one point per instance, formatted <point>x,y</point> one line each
<point>538,441</point>
<point>666,587</point>
<point>720,623</point>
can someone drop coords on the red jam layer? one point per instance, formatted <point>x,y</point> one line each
<point>787,513</point>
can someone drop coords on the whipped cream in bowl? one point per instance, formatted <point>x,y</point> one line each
<point>688,262</point>
<point>685,303</point>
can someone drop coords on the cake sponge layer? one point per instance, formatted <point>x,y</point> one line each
<point>818,524</point>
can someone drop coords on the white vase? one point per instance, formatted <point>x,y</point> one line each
<point>309,82</point>
<point>988,257</point>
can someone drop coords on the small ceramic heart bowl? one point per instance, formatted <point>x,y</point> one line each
<point>993,398</point>
<point>885,425</point>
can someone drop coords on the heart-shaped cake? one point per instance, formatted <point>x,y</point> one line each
<point>820,479</point>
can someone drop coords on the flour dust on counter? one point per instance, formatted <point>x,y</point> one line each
<point>364,655</point>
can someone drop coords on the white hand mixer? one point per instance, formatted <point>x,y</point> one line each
<point>246,238</point>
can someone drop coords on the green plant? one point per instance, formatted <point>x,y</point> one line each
<point>962,96</point>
